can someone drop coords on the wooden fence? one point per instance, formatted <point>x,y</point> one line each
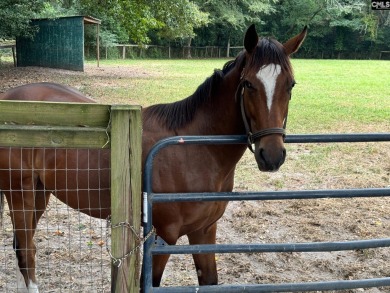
<point>125,51</point>
<point>73,125</point>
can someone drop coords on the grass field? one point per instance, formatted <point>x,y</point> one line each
<point>330,95</point>
<point>340,95</point>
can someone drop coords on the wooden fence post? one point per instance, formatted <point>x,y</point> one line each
<point>125,196</point>
<point>123,52</point>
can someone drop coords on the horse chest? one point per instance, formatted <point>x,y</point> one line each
<point>183,218</point>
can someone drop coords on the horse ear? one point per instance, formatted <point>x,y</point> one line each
<point>293,44</point>
<point>251,39</point>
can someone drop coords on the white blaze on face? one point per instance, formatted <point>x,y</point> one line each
<point>268,75</point>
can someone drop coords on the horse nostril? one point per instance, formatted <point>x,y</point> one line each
<point>261,154</point>
<point>284,153</point>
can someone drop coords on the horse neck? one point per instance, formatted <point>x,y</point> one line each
<point>222,115</point>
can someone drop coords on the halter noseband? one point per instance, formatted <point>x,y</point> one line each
<point>252,137</point>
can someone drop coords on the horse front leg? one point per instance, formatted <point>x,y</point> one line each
<point>21,205</point>
<point>169,234</point>
<point>206,267</point>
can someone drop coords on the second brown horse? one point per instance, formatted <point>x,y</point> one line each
<point>250,94</point>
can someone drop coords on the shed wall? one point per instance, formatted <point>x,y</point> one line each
<point>59,43</point>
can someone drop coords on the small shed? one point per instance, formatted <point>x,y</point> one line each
<point>59,43</point>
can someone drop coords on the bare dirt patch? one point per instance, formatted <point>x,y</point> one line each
<point>76,260</point>
<point>11,77</point>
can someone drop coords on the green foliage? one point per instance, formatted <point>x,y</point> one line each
<point>236,14</point>
<point>54,9</point>
<point>179,18</point>
<point>15,16</point>
<point>114,14</point>
<point>135,19</point>
<point>337,28</point>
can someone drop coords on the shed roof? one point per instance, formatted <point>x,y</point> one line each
<point>90,19</point>
<point>87,19</point>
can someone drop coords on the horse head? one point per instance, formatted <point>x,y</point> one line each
<point>264,93</point>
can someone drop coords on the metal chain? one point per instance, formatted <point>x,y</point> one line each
<point>139,240</point>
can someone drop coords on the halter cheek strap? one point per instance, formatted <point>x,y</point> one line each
<point>252,137</point>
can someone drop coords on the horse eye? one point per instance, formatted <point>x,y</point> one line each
<point>248,85</point>
<point>292,85</point>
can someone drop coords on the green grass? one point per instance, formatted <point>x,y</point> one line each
<point>340,93</point>
<point>330,95</point>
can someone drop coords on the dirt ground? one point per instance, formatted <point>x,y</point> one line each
<point>72,253</point>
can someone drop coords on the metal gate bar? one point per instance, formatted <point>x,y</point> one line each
<point>286,287</point>
<point>270,247</point>
<point>148,198</point>
<point>269,195</point>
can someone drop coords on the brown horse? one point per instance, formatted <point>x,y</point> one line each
<point>249,95</point>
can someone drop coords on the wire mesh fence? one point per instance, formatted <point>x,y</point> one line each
<point>71,247</point>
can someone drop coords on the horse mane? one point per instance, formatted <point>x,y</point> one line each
<point>178,114</point>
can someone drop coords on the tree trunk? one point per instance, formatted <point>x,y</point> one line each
<point>188,56</point>
<point>228,48</point>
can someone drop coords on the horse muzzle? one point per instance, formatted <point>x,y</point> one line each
<point>270,154</point>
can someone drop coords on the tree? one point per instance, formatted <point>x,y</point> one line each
<point>179,18</point>
<point>337,27</point>
<point>128,19</point>
<point>171,18</point>
<point>15,17</point>
<point>229,18</point>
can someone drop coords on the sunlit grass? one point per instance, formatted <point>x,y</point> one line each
<point>340,95</point>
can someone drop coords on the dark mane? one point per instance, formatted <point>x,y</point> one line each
<point>269,51</point>
<point>178,114</point>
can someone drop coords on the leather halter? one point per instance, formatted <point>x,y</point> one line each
<point>252,137</point>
